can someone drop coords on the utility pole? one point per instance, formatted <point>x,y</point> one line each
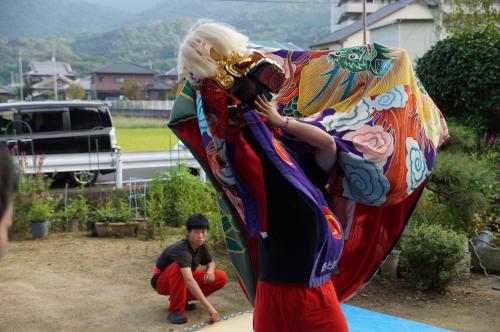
<point>21,80</point>
<point>55,72</point>
<point>364,22</point>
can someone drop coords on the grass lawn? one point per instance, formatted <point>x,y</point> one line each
<point>145,139</point>
<point>143,134</point>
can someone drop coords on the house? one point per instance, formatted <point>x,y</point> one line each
<point>407,24</point>
<point>84,83</point>
<point>106,81</point>
<point>170,77</point>
<point>45,88</point>
<point>41,70</point>
<point>5,94</point>
<point>41,75</point>
<point>346,12</point>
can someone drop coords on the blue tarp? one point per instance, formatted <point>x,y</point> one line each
<point>362,320</point>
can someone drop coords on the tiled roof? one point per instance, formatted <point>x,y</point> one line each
<point>46,68</point>
<point>171,72</point>
<point>5,91</point>
<point>124,68</point>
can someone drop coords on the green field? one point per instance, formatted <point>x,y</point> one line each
<point>143,134</point>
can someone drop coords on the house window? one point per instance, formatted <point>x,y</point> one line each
<point>119,80</point>
<point>100,79</point>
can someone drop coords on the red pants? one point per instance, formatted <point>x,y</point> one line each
<point>171,283</point>
<point>282,307</point>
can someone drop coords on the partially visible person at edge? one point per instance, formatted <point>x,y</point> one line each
<point>284,301</point>
<point>8,180</point>
<point>176,274</point>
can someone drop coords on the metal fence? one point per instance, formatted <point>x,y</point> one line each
<point>142,104</point>
<point>116,161</point>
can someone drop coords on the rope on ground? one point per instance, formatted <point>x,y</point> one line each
<point>198,326</point>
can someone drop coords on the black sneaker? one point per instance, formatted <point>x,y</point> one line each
<point>189,306</point>
<point>175,317</point>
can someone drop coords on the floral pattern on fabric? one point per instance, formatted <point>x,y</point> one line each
<point>373,142</point>
<point>364,180</point>
<point>415,165</point>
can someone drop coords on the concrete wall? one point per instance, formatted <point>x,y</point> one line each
<point>415,10</point>
<point>416,38</point>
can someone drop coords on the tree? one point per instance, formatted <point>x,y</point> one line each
<point>130,89</point>
<point>471,15</point>
<point>460,73</point>
<point>75,91</point>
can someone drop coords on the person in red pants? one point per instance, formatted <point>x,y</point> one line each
<point>175,272</point>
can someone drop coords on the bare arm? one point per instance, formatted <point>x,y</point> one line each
<point>326,148</point>
<point>193,287</point>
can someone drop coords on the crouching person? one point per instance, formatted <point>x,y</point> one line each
<point>175,272</point>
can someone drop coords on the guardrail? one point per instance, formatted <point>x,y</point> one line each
<point>107,161</point>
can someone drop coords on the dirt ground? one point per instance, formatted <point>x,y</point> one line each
<point>71,282</point>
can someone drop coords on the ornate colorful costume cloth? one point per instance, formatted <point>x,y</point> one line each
<point>387,131</point>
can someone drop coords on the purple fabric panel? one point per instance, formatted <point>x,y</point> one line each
<point>329,249</point>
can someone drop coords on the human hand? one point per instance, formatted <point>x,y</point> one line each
<point>213,315</point>
<point>269,110</point>
<point>209,277</point>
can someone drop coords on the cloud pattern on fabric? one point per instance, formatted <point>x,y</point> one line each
<point>394,98</point>
<point>416,168</point>
<point>352,120</point>
<point>364,181</point>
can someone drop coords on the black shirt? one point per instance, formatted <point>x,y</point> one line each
<point>181,253</point>
<point>287,254</point>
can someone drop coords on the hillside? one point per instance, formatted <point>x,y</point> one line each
<point>156,41</point>
<point>42,18</point>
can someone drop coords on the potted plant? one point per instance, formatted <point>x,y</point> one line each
<point>39,213</point>
<point>111,221</point>
<point>75,213</point>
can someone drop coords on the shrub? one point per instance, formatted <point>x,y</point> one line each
<point>462,138</point>
<point>430,254</point>
<point>461,73</point>
<point>461,182</point>
<point>176,195</point>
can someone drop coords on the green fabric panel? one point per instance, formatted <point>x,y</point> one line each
<point>185,105</point>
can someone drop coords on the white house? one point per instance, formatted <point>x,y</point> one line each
<point>408,24</point>
<point>346,12</point>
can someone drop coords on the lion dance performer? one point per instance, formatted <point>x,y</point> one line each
<point>319,158</point>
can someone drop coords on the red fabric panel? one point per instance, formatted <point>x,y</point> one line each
<point>296,307</point>
<point>374,232</point>
<point>171,283</point>
<point>249,168</point>
<point>190,133</point>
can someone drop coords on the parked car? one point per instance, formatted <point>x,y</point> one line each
<point>59,127</point>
